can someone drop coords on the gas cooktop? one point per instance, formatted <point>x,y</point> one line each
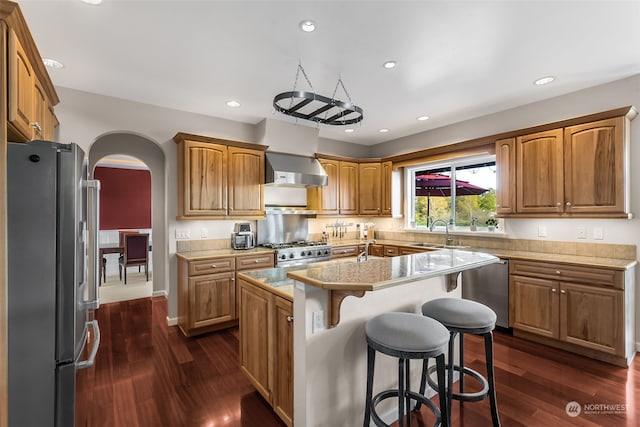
<point>299,244</point>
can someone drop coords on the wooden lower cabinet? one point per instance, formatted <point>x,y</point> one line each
<point>588,318</point>
<point>344,251</point>
<point>266,346</point>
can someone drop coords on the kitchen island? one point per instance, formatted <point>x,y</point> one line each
<point>331,303</point>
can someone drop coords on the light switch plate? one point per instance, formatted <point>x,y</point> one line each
<point>598,233</point>
<point>204,233</point>
<point>542,231</point>
<point>581,233</point>
<point>182,233</point>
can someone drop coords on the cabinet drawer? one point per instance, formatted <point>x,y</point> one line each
<point>211,266</point>
<point>254,262</point>
<point>391,250</point>
<point>344,251</point>
<point>569,273</point>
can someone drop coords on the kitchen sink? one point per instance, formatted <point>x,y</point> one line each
<point>438,246</point>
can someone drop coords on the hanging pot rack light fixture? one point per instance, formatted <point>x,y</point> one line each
<point>315,107</point>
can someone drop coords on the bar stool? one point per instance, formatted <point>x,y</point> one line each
<point>405,336</point>
<point>461,316</point>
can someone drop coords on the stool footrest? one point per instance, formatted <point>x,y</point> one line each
<point>386,394</point>
<point>461,396</point>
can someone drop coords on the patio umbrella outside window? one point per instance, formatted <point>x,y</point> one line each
<point>438,185</point>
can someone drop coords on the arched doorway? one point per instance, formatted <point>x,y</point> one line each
<point>151,154</point>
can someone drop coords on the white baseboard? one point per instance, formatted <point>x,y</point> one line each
<point>160,294</point>
<point>172,321</point>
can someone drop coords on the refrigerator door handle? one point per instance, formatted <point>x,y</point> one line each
<point>94,350</point>
<point>93,184</point>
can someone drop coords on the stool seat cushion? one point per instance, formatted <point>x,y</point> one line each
<point>456,313</point>
<point>407,332</point>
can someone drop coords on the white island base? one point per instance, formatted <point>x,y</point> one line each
<point>330,365</point>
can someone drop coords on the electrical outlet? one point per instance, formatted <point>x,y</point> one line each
<point>182,233</point>
<point>542,231</point>
<point>581,233</point>
<point>204,233</point>
<point>598,233</point>
<point>317,321</point>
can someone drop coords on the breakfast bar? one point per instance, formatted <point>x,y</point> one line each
<point>332,301</point>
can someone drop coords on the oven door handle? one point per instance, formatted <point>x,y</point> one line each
<point>94,350</point>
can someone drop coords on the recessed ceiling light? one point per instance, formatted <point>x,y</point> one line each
<point>93,2</point>
<point>389,65</point>
<point>52,63</point>
<point>307,26</point>
<point>544,80</point>
<point>422,118</point>
<point>349,130</point>
<point>383,130</point>
<point>233,104</point>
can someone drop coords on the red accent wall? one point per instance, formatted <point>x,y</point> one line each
<point>125,198</point>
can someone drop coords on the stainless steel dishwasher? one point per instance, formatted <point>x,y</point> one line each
<point>489,285</point>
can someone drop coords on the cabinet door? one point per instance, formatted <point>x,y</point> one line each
<point>540,172</point>
<point>212,299</point>
<point>385,186</point>
<point>391,250</point>
<point>21,80</point>
<point>369,189</point>
<point>592,317</point>
<point>255,326</point>
<point>51,123</point>
<point>506,176</point>
<point>326,199</point>
<point>594,167</point>
<point>205,179</point>
<point>40,111</point>
<point>283,360</point>
<point>534,305</point>
<point>348,188</point>
<point>246,180</point>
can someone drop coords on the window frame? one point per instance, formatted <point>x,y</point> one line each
<point>452,164</point>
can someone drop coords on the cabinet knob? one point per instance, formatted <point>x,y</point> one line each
<point>213,266</point>
<point>37,126</point>
<point>557,271</point>
<point>289,318</point>
<point>497,206</point>
<point>558,204</point>
<point>554,290</point>
<point>563,291</point>
<point>257,261</point>
<point>568,203</point>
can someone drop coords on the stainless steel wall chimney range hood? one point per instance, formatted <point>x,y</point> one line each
<point>293,171</point>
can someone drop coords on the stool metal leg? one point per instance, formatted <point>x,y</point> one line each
<point>407,397</point>
<point>445,411</point>
<point>401,392</point>
<point>461,354</point>
<point>450,370</point>
<point>423,381</point>
<point>488,350</point>
<point>371,362</point>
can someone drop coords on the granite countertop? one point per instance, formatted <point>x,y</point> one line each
<point>273,279</point>
<point>225,252</point>
<point>579,260</point>
<point>380,273</point>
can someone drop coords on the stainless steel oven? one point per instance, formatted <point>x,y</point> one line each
<point>298,253</point>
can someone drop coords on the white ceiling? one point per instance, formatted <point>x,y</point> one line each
<point>456,60</point>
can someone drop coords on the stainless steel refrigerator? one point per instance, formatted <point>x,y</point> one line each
<point>52,280</point>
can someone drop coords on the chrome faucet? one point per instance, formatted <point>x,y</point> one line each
<point>365,253</point>
<point>447,241</point>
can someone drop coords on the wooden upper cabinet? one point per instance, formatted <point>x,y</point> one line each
<point>594,165</point>
<point>30,93</point>
<point>20,89</point>
<point>348,191</point>
<point>385,186</point>
<point>246,181</point>
<point>205,179</point>
<point>540,186</point>
<point>369,189</point>
<point>219,178</point>
<point>506,176</point>
<point>326,199</point>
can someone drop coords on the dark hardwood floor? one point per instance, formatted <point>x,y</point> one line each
<point>148,374</point>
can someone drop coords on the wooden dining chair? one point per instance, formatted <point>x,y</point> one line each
<point>136,253</point>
